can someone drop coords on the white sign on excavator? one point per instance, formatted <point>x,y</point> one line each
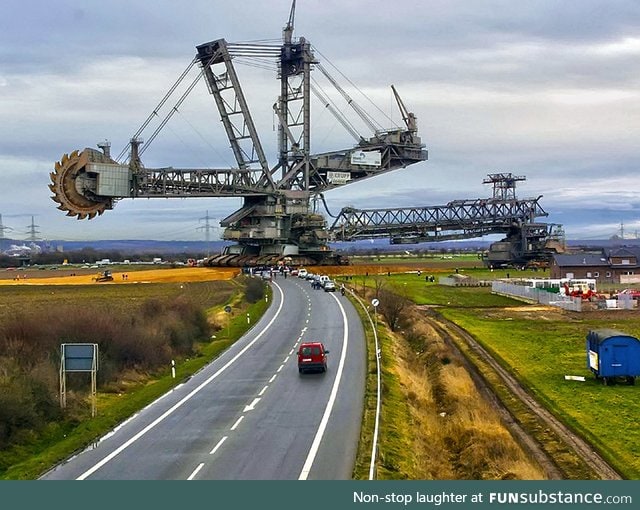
<point>370,158</point>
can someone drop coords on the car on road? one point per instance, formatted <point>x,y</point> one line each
<point>302,273</point>
<point>329,286</point>
<point>312,357</point>
<point>266,275</point>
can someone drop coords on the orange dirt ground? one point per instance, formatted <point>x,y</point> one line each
<point>71,276</point>
<point>185,274</point>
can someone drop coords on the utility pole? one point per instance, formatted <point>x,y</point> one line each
<point>207,227</point>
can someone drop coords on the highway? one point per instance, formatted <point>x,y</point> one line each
<point>249,415</point>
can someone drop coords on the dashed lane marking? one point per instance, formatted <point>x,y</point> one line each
<point>196,471</point>
<point>235,425</point>
<point>216,447</point>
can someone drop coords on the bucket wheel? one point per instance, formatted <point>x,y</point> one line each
<point>74,188</point>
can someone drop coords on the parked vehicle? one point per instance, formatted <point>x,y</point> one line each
<point>302,273</point>
<point>613,354</point>
<point>329,286</point>
<point>266,275</point>
<point>312,356</point>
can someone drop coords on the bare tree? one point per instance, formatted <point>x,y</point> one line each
<point>394,308</point>
<point>378,285</point>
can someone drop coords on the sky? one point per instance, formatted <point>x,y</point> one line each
<point>546,89</point>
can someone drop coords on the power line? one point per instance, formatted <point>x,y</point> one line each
<point>207,227</point>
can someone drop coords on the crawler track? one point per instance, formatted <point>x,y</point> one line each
<point>451,334</point>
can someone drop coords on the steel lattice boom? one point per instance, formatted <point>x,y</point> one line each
<point>460,219</point>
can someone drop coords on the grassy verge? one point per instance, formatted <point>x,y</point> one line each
<point>541,349</point>
<point>395,434</point>
<point>61,441</point>
<point>563,456</point>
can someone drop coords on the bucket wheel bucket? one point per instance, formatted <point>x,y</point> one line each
<point>74,187</point>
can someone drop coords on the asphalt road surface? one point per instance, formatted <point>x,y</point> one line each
<point>249,415</point>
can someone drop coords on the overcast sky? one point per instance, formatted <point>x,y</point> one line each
<point>546,89</point>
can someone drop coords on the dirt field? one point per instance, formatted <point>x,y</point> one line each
<point>86,276</point>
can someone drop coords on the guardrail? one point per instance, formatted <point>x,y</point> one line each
<point>376,427</point>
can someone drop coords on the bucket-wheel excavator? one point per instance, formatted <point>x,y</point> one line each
<point>276,220</point>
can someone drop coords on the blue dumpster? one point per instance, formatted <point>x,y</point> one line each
<point>612,354</point>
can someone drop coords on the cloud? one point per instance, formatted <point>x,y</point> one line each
<point>543,88</point>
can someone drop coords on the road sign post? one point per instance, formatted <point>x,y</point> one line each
<point>375,303</point>
<point>78,358</point>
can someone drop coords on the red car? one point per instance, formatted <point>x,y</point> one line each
<point>312,356</point>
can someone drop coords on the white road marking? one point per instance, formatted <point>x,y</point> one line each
<point>273,378</point>
<point>216,447</point>
<point>279,369</point>
<point>235,425</point>
<point>196,471</point>
<point>315,446</point>
<point>292,350</point>
<point>252,405</point>
<point>263,390</point>
<point>185,399</point>
<point>286,359</point>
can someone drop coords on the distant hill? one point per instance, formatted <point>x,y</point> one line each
<point>142,246</point>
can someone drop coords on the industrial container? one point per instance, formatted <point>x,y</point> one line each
<point>612,354</point>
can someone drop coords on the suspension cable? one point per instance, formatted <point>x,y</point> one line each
<point>328,104</point>
<point>361,113</point>
<point>157,108</point>
<point>354,86</point>
<point>172,111</point>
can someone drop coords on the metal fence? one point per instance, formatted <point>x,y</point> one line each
<point>462,282</point>
<point>537,296</point>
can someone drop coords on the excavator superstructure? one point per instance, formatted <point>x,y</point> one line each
<point>276,219</point>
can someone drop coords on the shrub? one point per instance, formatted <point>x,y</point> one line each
<point>254,291</point>
<point>143,338</point>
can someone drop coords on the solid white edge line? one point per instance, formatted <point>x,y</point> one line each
<point>315,446</point>
<point>196,471</point>
<point>179,404</point>
<point>216,447</point>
